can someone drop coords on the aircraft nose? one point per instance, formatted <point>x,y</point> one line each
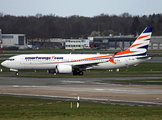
<point>4,63</point>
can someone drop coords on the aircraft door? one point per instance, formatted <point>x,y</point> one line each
<point>126,61</point>
<point>21,60</point>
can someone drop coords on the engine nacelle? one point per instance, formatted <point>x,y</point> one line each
<point>63,69</point>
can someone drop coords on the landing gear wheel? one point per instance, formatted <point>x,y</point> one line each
<point>81,73</point>
<point>16,73</point>
<point>54,73</point>
<point>78,72</point>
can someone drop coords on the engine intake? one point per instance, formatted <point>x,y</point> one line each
<point>63,69</point>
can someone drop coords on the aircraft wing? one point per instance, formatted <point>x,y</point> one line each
<point>146,57</point>
<point>88,64</point>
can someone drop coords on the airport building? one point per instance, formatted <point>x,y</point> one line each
<point>13,41</point>
<point>52,43</point>
<point>125,42</point>
<point>156,43</point>
<point>59,43</point>
<point>18,41</point>
<point>76,43</point>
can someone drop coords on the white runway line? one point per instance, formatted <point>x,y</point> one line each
<point>114,90</point>
<point>73,82</point>
<point>29,86</point>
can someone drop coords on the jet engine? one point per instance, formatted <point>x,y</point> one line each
<point>63,69</point>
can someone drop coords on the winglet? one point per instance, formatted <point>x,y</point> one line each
<point>112,58</point>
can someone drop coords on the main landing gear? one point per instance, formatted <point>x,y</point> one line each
<point>75,72</point>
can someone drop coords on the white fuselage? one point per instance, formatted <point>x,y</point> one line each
<point>50,61</point>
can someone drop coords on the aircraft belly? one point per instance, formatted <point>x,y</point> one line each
<point>106,66</point>
<point>37,67</point>
<point>17,66</point>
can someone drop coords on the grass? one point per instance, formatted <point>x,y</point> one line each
<point>61,110</point>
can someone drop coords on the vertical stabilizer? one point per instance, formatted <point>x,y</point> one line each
<point>140,46</point>
<point>142,42</point>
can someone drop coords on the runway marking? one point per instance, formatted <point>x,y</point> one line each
<point>150,81</point>
<point>112,90</point>
<point>15,85</point>
<point>98,83</point>
<point>73,94</point>
<point>73,81</point>
<point>28,86</point>
<point>99,89</point>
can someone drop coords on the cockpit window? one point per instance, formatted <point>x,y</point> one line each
<point>10,59</point>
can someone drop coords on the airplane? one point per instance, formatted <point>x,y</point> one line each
<point>77,63</point>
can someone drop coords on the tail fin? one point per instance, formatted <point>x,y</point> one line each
<point>142,42</point>
<point>140,46</point>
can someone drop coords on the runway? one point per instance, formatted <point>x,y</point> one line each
<point>156,59</point>
<point>88,89</point>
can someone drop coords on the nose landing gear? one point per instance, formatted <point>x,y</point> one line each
<point>17,73</point>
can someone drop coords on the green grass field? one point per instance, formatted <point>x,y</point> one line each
<point>35,108</point>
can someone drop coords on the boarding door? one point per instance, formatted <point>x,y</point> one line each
<point>22,60</point>
<point>126,61</point>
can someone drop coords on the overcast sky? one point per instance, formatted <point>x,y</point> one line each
<point>88,8</point>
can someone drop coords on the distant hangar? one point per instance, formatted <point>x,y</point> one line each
<point>116,42</point>
<point>16,41</point>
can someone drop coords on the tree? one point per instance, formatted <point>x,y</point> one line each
<point>50,26</point>
<point>107,32</point>
<point>125,15</point>
<point>95,33</point>
<point>135,25</point>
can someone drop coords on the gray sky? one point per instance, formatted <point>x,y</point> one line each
<point>88,8</point>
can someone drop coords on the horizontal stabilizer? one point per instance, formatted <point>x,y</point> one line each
<point>146,57</point>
